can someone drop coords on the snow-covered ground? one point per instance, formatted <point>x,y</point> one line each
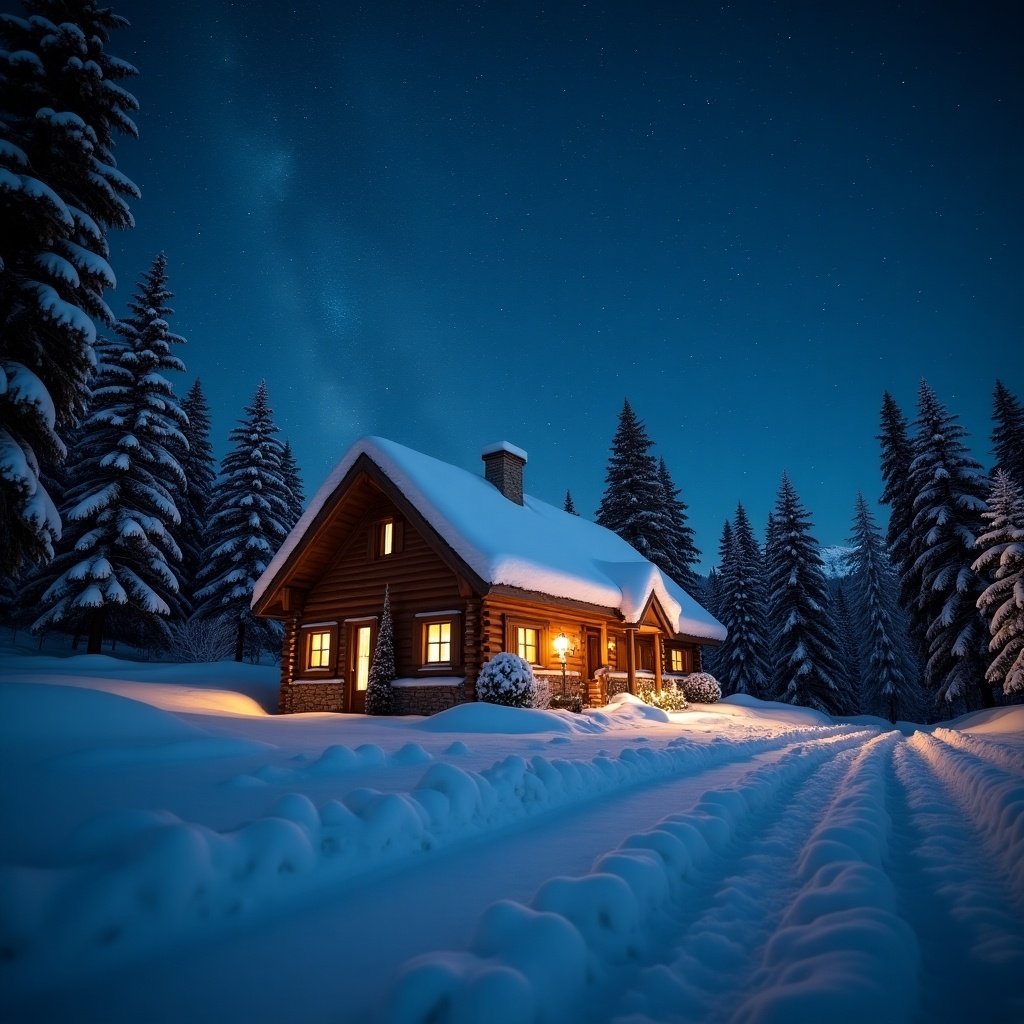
<point>171,851</point>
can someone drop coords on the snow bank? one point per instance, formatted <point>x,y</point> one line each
<point>992,720</point>
<point>742,705</point>
<point>214,687</point>
<point>480,717</point>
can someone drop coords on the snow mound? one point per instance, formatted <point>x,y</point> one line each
<point>991,720</point>
<point>94,727</point>
<point>742,705</point>
<point>213,687</point>
<point>495,718</point>
<point>625,707</point>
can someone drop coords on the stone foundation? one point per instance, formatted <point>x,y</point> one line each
<point>427,700</point>
<point>299,697</point>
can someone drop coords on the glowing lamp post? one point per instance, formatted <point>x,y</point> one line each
<point>561,647</point>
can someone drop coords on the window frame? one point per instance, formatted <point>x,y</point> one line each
<point>307,631</point>
<point>512,639</point>
<point>452,619</point>
<point>684,656</point>
<point>378,533</point>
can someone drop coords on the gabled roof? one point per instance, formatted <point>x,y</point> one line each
<point>533,547</point>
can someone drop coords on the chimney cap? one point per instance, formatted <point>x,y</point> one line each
<point>503,446</point>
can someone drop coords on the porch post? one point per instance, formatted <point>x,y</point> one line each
<point>657,662</point>
<point>631,660</point>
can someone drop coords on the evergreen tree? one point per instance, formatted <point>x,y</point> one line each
<point>902,543</point>
<point>682,551</point>
<point>569,506</point>
<point>118,559</point>
<point>200,474</point>
<point>848,653</point>
<point>711,599</point>
<point>742,660</point>
<point>1002,601</point>
<point>1008,432</point>
<point>633,504</point>
<point>889,678</point>
<point>949,497</point>
<point>804,649</point>
<point>380,697</point>
<point>246,525</point>
<point>60,108</point>
<point>293,485</point>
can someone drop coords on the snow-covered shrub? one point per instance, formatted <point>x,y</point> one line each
<point>702,688</point>
<point>671,697</point>
<point>567,702</point>
<point>542,690</point>
<point>506,679</point>
<point>200,640</point>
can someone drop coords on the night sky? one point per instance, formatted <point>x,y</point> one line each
<point>451,224</point>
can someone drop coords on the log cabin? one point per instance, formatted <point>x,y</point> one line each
<point>473,566</point>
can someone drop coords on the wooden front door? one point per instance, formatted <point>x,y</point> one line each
<point>360,653</point>
<point>594,659</point>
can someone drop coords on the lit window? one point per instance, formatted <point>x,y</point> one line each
<point>527,643</point>
<point>676,659</point>
<point>438,648</point>
<point>387,537</point>
<point>320,649</point>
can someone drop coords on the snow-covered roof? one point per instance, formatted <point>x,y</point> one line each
<point>533,546</point>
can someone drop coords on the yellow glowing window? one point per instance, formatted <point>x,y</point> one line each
<point>676,657</point>
<point>439,642</point>
<point>362,659</point>
<point>320,649</point>
<point>387,537</point>
<point>527,643</point>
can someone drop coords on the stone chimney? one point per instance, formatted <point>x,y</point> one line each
<point>503,467</point>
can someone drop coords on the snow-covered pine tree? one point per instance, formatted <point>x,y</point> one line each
<point>806,669</point>
<point>682,548</point>
<point>246,525</point>
<point>118,561</point>
<point>380,698</point>
<point>848,652</point>
<point>890,687</point>
<point>293,485</point>
<point>1008,432</point>
<point>60,192</point>
<point>633,504</point>
<point>742,660</point>
<point>949,496</point>
<point>711,593</point>
<point>1002,601</point>
<point>903,545</point>
<point>200,473</point>
<point>569,506</point>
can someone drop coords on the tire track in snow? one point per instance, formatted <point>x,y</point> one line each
<point>583,939</point>
<point>957,897</point>
<point>736,907</point>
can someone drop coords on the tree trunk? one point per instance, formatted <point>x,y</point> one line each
<point>96,632</point>
<point>987,700</point>
<point>240,640</point>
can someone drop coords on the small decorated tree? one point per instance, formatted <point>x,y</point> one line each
<point>506,679</point>
<point>379,695</point>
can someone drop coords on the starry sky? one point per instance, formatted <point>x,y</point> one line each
<point>455,223</point>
